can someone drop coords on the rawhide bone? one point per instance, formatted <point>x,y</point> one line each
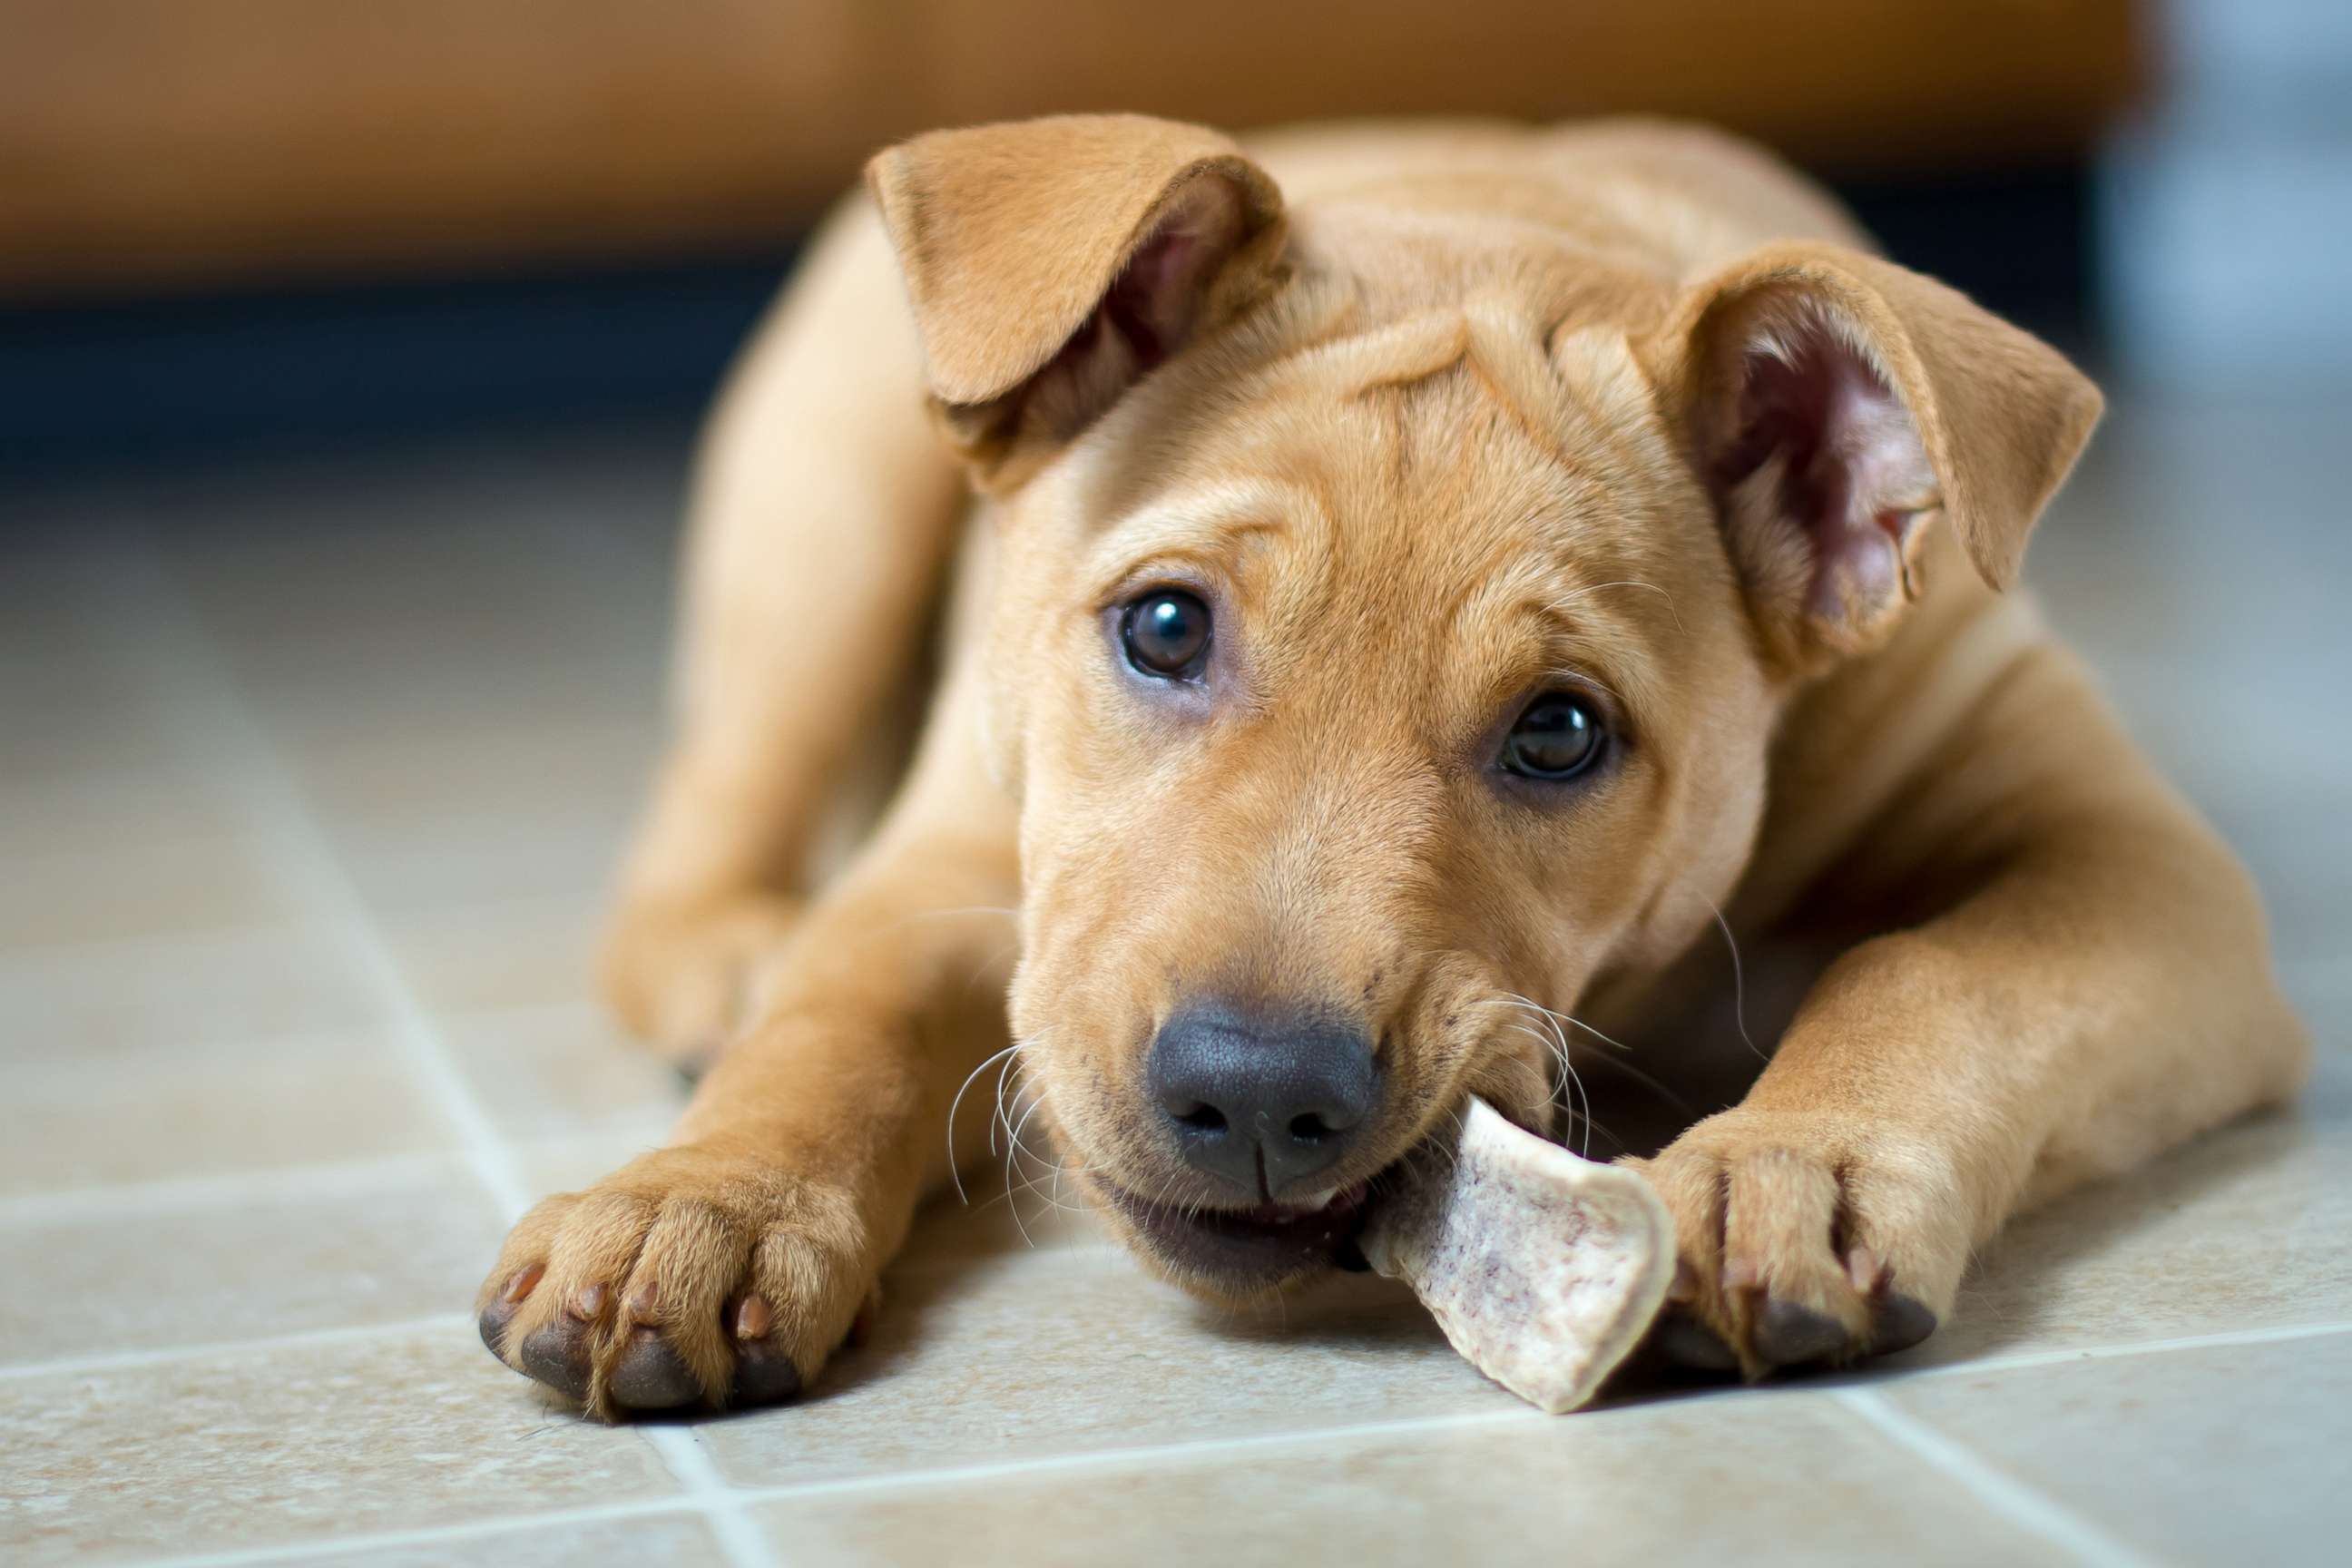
<point>1543,1268</point>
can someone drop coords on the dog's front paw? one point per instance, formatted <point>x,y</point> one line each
<point>692,1276</point>
<point>1805,1239</point>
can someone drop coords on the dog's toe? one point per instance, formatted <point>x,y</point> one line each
<point>1897,1322</point>
<point>500,1314</point>
<point>497,1318</point>
<point>764,1376</point>
<point>652,1375</point>
<point>1788,1333</point>
<point>765,1372</point>
<point>557,1354</point>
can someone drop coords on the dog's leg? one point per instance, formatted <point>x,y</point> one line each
<point>824,514</point>
<point>2091,985</point>
<point>727,1267</point>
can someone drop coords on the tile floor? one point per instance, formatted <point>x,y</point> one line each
<point>309,781</point>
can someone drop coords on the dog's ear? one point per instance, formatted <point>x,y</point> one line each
<point>1835,402</point>
<point>1051,263</point>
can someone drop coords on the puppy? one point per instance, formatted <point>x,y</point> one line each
<point>1421,580</point>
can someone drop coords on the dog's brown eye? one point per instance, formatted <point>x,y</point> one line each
<point>1166,633</point>
<point>1558,737</point>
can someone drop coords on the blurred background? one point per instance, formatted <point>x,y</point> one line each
<point>228,226</point>
<point>351,358</point>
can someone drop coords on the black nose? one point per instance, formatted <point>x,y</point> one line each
<point>1263,1104</point>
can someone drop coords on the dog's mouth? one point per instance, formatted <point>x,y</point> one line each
<point>1247,1251</point>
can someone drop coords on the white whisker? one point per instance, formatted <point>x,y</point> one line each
<point>1570,1077</point>
<point>1012,1149</point>
<point>1739,986</point>
<point>955,1104</point>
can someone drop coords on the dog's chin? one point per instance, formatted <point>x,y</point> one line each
<point>1230,1255</point>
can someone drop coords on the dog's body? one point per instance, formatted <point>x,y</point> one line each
<point>1423,573</point>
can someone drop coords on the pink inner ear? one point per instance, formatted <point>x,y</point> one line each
<point>1823,445</point>
<point>1153,305</point>
<point>1156,301</point>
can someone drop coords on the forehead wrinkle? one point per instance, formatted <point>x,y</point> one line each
<point>1595,368</point>
<point>1505,356</point>
<point>1354,364</point>
<point>1214,524</point>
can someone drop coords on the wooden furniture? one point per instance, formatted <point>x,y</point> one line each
<point>187,142</point>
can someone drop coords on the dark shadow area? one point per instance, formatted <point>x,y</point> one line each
<point>91,389</point>
<point>2021,242</point>
<point>86,389</point>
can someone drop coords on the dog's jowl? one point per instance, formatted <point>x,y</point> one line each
<point>1409,594</point>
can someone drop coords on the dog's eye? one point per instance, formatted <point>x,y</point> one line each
<point>1166,634</point>
<point>1558,737</point>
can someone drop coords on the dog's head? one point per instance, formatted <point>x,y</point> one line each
<point>1394,605</point>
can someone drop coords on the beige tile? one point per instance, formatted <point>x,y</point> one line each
<point>409,611</point>
<point>71,725</point>
<point>518,952</point>
<point>553,1071</point>
<point>189,993</point>
<point>103,889</point>
<point>670,1537</point>
<point>328,1249</point>
<point>2227,1455</point>
<point>89,682</point>
<point>140,1113</point>
<point>428,817</point>
<point>2245,1229</point>
<point>176,800</point>
<point>1753,1478</point>
<point>1037,1355</point>
<point>577,1160</point>
<point>302,1443</point>
<point>2322,992</point>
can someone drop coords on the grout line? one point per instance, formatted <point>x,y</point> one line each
<point>268,789</point>
<point>728,1499</point>
<point>310,1178</point>
<point>721,1504</point>
<point>740,1537</point>
<point>71,1366</point>
<point>314,1550</point>
<point>1512,1412</point>
<point>2025,1360</point>
<point>115,1360</point>
<point>450,1320</point>
<point>176,1195</point>
<point>2021,1505</point>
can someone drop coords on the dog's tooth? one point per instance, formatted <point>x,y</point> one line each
<point>1321,1200</point>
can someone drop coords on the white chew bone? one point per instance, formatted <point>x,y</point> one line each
<point>1542,1269</point>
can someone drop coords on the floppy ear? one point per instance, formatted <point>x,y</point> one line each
<point>1051,263</point>
<point>1836,403</point>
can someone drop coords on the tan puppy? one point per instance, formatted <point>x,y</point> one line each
<point>1422,575</point>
